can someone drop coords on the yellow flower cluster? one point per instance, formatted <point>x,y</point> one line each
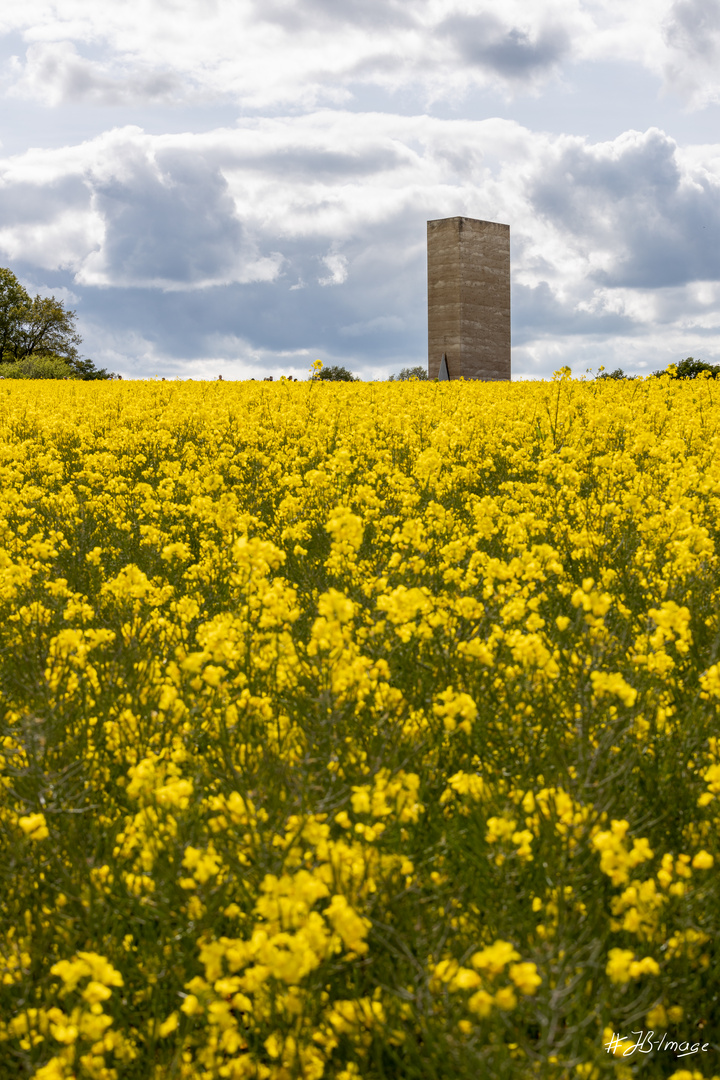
<point>82,1037</point>
<point>356,731</point>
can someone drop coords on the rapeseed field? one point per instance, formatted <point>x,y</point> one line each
<point>359,731</point>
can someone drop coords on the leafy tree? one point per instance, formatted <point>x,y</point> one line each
<point>40,327</point>
<point>618,373</point>
<point>690,369</point>
<point>14,306</point>
<point>85,369</point>
<point>335,373</point>
<point>409,373</point>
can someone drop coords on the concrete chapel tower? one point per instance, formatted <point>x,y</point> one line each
<point>468,299</point>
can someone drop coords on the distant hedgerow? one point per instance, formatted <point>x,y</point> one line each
<point>408,373</point>
<point>38,367</point>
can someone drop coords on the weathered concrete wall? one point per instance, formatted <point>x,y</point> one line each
<point>469,298</point>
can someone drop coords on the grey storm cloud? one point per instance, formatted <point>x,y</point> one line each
<point>171,220</point>
<point>324,163</point>
<point>691,34</point>
<point>382,313</point>
<point>39,204</point>
<point>693,26</point>
<point>370,14</point>
<point>537,312</point>
<point>381,317</point>
<point>635,202</point>
<point>509,51</point>
<point>277,318</point>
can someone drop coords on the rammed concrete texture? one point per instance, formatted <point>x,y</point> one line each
<point>469,298</point>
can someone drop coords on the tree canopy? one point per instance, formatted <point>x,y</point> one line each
<point>37,327</point>
<point>408,373</point>
<point>335,373</point>
<point>618,373</point>
<point>690,368</point>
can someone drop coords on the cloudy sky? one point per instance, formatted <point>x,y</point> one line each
<point>241,186</point>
